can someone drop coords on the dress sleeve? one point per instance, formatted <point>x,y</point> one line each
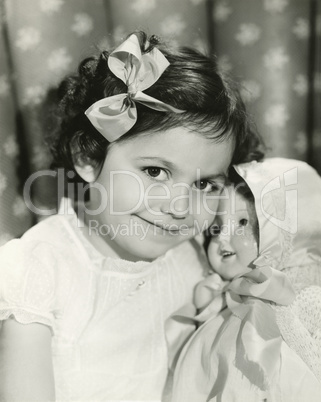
<point>28,282</point>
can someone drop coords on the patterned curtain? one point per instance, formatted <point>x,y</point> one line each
<point>271,46</point>
<point>41,40</point>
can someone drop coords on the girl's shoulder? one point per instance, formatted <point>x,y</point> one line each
<point>189,253</point>
<point>49,247</point>
<point>49,234</point>
<point>38,270</point>
<point>189,258</point>
<point>57,232</point>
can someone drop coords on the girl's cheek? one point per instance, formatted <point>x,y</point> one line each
<point>156,194</point>
<point>200,203</point>
<point>126,193</point>
<point>213,254</point>
<point>210,203</point>
<point>207,208</point>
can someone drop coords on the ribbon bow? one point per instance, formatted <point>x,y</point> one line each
<point>115,115</point>
<point>214,294</point>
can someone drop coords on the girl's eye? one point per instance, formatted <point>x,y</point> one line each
<point>156,173</point>
<point>243,222</point>
<point>206,186</point>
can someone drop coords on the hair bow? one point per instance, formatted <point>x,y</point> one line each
<point>115,115</point>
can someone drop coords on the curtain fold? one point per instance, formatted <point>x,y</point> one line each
<point>14,216</point>
<point>315,87</point>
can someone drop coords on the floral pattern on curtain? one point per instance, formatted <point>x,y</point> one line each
<point>181,22</point>
<point>265,44</point>
<point>14,216</point>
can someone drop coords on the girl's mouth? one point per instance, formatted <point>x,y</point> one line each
<point>172,229</point>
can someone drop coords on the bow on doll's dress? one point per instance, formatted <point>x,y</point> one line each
<point>240,314</point>
<point>249,297</point>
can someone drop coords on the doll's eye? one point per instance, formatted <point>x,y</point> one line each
<point>214,230</point>
<point>206,186</point>
<point>156,173</point>
<point>243,222</point>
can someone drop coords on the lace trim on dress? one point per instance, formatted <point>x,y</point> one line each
<point>300,326</point>
<point>26,317</point>
<point>304,276</point>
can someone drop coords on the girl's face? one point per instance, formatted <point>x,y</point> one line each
<point>236,244</point>
<point>162,189</point>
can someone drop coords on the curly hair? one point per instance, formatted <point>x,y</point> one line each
<point>212,105</point>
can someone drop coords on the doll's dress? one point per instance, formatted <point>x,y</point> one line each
<point>238,353</point>
<point>106,315</point>
<point>238,356</point>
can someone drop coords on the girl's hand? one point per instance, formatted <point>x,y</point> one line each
<point>26,372</point>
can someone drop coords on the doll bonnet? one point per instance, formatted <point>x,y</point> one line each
<point>287,197</point>
<point>288,205</point>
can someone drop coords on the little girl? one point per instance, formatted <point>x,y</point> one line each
<point>85,293</point>
<point>260,338</point>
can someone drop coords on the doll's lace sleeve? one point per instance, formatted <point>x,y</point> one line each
<point>300,326</point>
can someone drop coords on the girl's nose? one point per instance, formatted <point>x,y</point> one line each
<point>179,203</point>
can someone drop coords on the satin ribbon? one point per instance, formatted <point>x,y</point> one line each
<point>115,115</point>
<point>248,297</point>
<point>270,255</point>
<point>263,283</point>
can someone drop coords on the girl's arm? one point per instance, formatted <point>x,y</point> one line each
<point>26,371</point>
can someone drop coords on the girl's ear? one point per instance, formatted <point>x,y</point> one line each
<point>84,166</point>
<point>86,171</point>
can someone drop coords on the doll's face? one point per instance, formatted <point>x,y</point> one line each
<point>235,245</point>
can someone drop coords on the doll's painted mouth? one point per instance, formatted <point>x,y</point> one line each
<point>226,254</point>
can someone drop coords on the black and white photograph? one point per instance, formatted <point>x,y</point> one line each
<point>160,201</point>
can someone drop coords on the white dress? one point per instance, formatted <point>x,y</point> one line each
<point>107,315</point>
